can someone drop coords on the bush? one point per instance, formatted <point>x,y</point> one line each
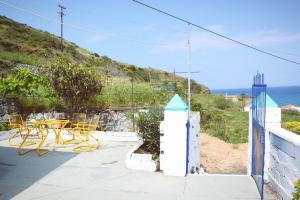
<point>148,130</point>
<point>222,103</point>
<point>296,194</point>
<point>119,94</point>
<point>74,83</point>
<point>20,82</point>
<point>293,126</point>
<point>31,90</point>
<point>4,127</point>
<point>291,112</point>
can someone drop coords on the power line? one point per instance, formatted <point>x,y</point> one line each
<point>283,52</point>
<point>125,38</point>
<point>215,33</point>
<point>194,72</point>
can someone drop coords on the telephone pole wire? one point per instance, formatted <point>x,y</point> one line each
<point>62,14</point>
<point>217,34</point>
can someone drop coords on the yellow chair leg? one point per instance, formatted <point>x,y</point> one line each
<point>86,146</point>
<point>23,152</point>
<point>40,150</point>
<point>16,135</point>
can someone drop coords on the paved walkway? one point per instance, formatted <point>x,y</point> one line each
<point>102,175</point>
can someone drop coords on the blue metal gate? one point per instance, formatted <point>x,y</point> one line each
<point>258,131</point>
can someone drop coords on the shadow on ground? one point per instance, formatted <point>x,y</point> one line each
<point>17,173</point>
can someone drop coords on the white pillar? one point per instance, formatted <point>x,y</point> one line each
<point>175,137</point>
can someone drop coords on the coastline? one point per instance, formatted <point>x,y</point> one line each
<point>290,107</point>
<point>283,96</point>
<point>235,98</point>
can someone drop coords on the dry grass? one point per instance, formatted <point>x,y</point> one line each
<point>219,157</point>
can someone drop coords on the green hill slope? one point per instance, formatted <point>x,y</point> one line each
<point>23,44</point>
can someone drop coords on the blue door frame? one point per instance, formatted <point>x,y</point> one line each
<point>258,131</point>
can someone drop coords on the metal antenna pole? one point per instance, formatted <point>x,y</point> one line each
<point>189,70</point>
<point>189,101</point>
<point>175,83</point>
<point>62,14</point>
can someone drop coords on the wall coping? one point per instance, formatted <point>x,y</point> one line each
<point>286,134</point>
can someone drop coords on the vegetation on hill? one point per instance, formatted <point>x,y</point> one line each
<point>222,118</point>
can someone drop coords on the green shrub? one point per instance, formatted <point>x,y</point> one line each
<point>74,83</point>
<point>31,90</point>
<point>4,127</point>
<point>293,126</point>
<point>289,115</point>
<point>120,94</point>
<point>221,102</point>
<point>148,130</point>
<point>291,112</point>
<point>296,194</point>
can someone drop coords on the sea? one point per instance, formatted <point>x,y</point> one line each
<point>281,95</point>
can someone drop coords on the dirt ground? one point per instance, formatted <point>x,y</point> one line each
<point>219,157</point>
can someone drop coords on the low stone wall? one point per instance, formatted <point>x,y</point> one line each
<point>7,106</point>
<point>284,166</point>
<point>117,122</point>
<point>140,161</point>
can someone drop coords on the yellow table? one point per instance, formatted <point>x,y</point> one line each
<point>43,128</point>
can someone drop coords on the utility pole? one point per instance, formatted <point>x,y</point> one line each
<point>149,74</point>
<point>62,14</point>
<point>175,83</point>
<point>132,104</point>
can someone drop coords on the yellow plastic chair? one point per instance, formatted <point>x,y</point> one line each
<point>25,131</point>
<point>77,120</point>
<point>85,135</point>
<point>32,136</point>
<point>16,122</point>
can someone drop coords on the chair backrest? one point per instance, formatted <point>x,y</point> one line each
<point>15,120</point>
<point>94,123</point>
<point>78,118</point>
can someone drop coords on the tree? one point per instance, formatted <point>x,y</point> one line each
<point>74,83</point>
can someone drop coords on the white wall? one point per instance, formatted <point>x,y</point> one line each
<point>284,166</point>
<point>194,143</point>
<point>282,154</point>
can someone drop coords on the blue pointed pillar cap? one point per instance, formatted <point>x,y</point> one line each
<point>176,103</point>
<point>270,103</point>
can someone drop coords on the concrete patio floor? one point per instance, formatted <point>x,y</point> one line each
<point>102,174</point>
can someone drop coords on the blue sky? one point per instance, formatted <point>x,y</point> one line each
<point>128,32</point>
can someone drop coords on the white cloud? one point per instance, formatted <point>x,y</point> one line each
<point>204,40</point>
<point>96,38</point>
<point>270,38</point>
